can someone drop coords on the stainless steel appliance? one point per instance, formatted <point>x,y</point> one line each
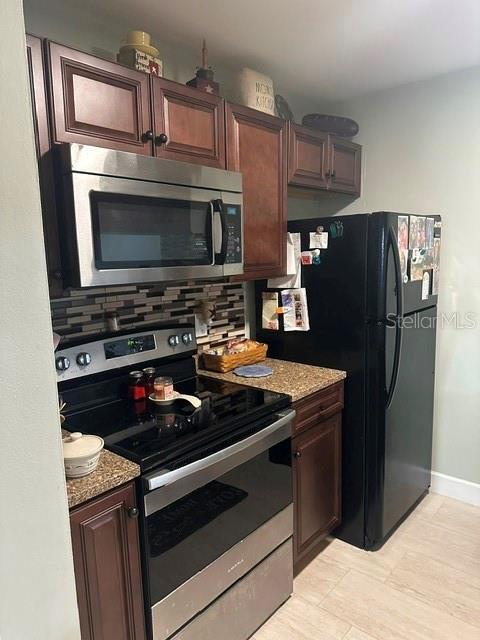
<point>128,218</point>
<point>215,493</point>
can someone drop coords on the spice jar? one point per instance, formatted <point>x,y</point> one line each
<point>149,377</point>
<point>163,388</point>
<point>136,387</point>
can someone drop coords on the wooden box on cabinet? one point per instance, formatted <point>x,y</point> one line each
<point>322,161</point>
<point>256,146</point>
<point>106,558</point>
<point>98,102</point>
<point>41,128</point>
<point>190,122</point>
<point>317,463</point>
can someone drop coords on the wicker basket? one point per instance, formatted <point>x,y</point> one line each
<point>225,363</point>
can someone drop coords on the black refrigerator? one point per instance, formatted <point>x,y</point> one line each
<point>372,309</point>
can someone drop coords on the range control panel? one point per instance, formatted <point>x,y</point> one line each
<point>120,351</point>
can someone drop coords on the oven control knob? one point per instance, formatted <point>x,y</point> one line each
<point>84,359</point>
<point>173,340</point>
<point>187,338</point>
<point>62,363</point>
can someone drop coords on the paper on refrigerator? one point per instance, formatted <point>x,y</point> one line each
<point>270,310</point>
<point>295,310</point>
<point>294,266</point>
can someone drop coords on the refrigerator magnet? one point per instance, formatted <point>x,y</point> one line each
<point>425,285</point>
<point>413,233</point>
<point>429,232</point>
<point>402,233</point>
<point>306,257</point>
<point>422,238</point>
<point>318,240</point>
<point>336,229</point>
<point>316,256</point>
<point>404,263</point>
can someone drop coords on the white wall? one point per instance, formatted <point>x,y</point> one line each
<point>422,155</point>
<point>37,590</point>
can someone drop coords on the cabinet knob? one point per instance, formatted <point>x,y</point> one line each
<point>132,512</point>
<point>148,135</point>
<point>161,139</point>
<point>297,454</point>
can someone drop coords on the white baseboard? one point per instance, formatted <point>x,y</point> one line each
<point>456,488</point>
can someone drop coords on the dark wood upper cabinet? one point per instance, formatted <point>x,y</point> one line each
<point>41,127</point>
<point>307,157</point>
<point>345,165</point>
<point>321,161</point>
<point>317,469</point>
<point>98,102</point>
<point>256,146</point>
<point>189,124</point>
<point>107,567</point>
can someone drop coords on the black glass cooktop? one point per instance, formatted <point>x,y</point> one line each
<point>157,435</point>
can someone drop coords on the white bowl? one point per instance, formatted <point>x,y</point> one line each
<point>81,454</point>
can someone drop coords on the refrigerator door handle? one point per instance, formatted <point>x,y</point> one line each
<point>392,242</point>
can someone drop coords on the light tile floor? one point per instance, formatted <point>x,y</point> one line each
<point>424,584</point>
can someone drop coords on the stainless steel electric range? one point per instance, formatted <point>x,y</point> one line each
<point>215,492</point>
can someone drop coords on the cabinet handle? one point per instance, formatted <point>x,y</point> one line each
<point>327,174</point>
<point>148,135</point>
<point>161,139</point>
<point>297,454</point>
<point>132,512</point>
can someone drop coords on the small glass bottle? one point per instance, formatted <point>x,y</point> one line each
<point>163,388</point>
<point>149,376</point>
<point>136,386</point>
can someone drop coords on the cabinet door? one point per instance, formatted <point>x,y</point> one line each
<point>256,146</point>
<point>345,165</point>
<point>317,477</point>
<point>107,567</point>
<point>98,102</point>
<point>192,121</point>
<point>45,163</point>
<point>307,157</point>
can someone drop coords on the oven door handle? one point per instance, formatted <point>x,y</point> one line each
<point>172,485</point>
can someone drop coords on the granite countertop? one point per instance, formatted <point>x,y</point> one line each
<point>295,379</point>
<point>111,472</point>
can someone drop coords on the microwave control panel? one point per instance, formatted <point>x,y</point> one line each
<point>234,229</point>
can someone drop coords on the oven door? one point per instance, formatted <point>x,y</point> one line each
<point>127,231</point>
<point>208,523</point>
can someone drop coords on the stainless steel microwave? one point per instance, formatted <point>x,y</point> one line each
<point>128,218</point>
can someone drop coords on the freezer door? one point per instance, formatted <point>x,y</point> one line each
<point>400,226</point>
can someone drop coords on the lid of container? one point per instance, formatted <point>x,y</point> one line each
<point>77,445</point>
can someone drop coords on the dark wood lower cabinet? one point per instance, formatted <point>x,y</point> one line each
<point>316,478</point>
<point>106,557</point>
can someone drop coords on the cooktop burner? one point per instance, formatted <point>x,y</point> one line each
<point>152,435</point>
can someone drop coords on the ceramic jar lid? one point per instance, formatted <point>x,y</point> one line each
<point>77,445</point>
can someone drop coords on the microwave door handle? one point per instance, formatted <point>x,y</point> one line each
<point>213,231</point>
<point>220,231</point>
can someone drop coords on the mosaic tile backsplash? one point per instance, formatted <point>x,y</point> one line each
<point>82,311</point>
